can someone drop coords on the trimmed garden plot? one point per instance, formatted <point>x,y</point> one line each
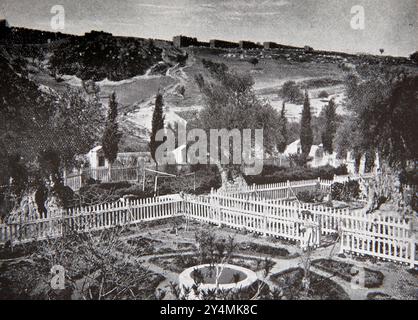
<point>347,272</point>
<point>265,250</point>
<point>321,288</point>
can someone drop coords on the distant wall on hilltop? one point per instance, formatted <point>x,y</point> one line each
<point>215,43</point>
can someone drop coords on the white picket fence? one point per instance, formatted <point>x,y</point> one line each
<point>386,238</point>
<point>289,189</point>
<point>115,174</point>
<point>264,209</point>
<point>92,218</point>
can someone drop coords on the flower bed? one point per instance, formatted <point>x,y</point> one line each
<point>347,271</point>
<point>252,248</point>
<point>290,282</point>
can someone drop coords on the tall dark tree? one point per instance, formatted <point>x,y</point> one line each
<point>157,124</point>
<point>330,126</point>
<point>283,137</point>
<point>111,136</point>
<point>306,134</point>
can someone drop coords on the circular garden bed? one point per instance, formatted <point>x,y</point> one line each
<point>209,277</point>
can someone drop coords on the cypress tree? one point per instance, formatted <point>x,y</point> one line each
<point>111,136</point>
<point>330,127</point>
<point>157,124</point>
<point>306,135</point>
<point>282,143</point>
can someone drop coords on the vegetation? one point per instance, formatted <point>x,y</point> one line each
<point>414,57</point>
<point>306,134</point>
<point>323,94</point>
<point>111,136</point>
<point>383,109</point>
<point>283,139</point>
<point>227,98</point>
<point>101,56</point>
<point>310,196</point>
<point>347,191</point>
<point>157,125</point>
<point>291,92</point>
<point>330,125</point>
<point>274,174</point>
<point>93,270</point>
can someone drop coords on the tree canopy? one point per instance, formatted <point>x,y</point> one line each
<point>384,111</point>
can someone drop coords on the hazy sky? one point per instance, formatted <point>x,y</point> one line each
<point>322,24</point>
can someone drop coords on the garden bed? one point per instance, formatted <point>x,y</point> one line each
<point>321,288</point>
<point>178,263</point>
<point>347,271</point>
<point>30,280</point>
<point>379,296</point>
<point>265,250</point>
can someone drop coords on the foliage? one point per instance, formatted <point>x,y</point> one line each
<point>384,106</point>
<point>298,159</point>
<point>414,57</point>
<point>217,70</point>
<point>329,127</point>
<point>254,61</point>
<point>310,196</point>
<point>111,136</point>
<point>306,134</point>
<point>323,94</point>
<point>157,125</point>
<point>346,191</point>
<point>93,270</point>
<point>291,92</point>
<point>283,138</point>
<point>230,103</point>
<point>274,174</point>
<point>33,121</point>
<point>98,57</point>
<point>213,250</point>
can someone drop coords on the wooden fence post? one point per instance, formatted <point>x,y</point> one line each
<point>412,242</point>
<point>287,189</point>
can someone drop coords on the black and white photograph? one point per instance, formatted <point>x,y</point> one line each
<point>208,150</point>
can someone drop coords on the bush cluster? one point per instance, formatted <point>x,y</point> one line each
<point>310,196</point>
<point>345,191</point>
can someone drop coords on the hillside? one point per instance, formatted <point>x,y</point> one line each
<point>135,69</point>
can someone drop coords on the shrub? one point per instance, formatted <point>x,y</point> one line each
<point>275,174</point>
<point>347,191</point>
<point>253,61</point>
<point>310,196</point>
<point>414,57</point>
<point>323,94</point>
<point>291,92</point>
